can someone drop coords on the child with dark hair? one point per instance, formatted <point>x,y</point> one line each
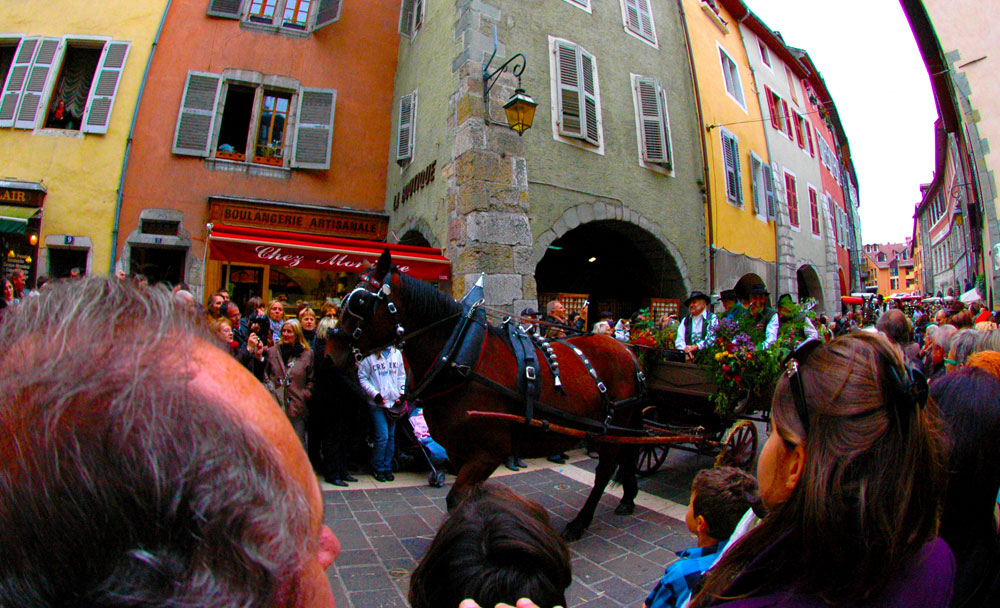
<point>719,498</point>
<point>495,547</point>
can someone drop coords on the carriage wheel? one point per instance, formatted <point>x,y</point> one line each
<point>740,446</point>
<point>651,459</point>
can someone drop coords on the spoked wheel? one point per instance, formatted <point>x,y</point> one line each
<point>739,446</point>
<point>651,459</point>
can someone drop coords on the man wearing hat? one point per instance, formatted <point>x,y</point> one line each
<point>529,320</point>
<point>787,317</point>
<point>695,331</point>
<point>732,307</point>
<point>764,318</point>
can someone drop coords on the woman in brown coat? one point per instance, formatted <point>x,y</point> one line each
<point>288,375</point>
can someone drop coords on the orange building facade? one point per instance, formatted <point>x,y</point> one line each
<point>268,122</point>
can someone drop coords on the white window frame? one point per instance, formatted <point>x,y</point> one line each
<point>723,135</point>
<point>555,113</point>
<point>665,169</point>
<point>765,55</point>
<point>55,69</point>
<point>410,26</point>
<point>637,33</point>
<point>583,5</point>
<point>726,77</point>
<point>260,89</point>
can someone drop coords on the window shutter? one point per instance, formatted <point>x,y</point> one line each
<point>570,94</point>
<point>102,93</point>
<point>809,139</point>
<point>772,108</point>
<point>669,160</point>
<point>229,9</point>
<point>798,132</point>
<point>404,131</point>
<point>651,118</point>
<point>788,119</point>
<point>314,128</point>
<point>328,12</point>
<point>31,98</point>
<point>406,18</point>
<point>755,185</point>
<point>197,114</point>
<point>418,14</point>
<point>731,158</point>
<point>589,97</point>
<point>16,78</point>
<point>646,20</point>
<point>769,191</point>
<point>632,15</point>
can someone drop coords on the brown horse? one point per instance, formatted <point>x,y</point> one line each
<point>477,444</point>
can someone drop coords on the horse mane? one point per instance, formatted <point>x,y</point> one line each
<point>425,303</point>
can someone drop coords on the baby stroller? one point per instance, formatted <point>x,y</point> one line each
<point>416,448</point>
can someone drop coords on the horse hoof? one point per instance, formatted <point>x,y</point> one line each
<point>625,508</point>
<point>573,532</point>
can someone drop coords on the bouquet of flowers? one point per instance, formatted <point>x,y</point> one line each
<point>742,369</point>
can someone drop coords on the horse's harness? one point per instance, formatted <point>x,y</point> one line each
<point>462,351</point>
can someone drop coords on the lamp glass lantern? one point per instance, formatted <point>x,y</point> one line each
<point>520,110</point>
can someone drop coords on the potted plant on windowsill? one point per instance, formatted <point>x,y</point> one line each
<point>268,156</point>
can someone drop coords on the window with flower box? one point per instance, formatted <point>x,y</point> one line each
<point>287,16</point>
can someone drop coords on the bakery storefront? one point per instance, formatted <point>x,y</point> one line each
<point>302,253</point>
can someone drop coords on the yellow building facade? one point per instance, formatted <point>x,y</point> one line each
<point>71,80</point>
<point>741,204</point>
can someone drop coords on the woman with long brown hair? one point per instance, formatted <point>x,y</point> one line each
<point>851,477</point>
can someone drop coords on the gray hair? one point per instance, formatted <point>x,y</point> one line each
<point>120,486</point>
<point>988,340</point>
<point>944,336</point>
<point>963,344</point>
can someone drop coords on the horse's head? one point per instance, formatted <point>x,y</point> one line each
<point>370,317</point>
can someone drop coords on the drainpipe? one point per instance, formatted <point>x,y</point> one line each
<point>706,196</point>
<point>128,142</point>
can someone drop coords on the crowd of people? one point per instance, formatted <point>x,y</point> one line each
<point>142,465</point>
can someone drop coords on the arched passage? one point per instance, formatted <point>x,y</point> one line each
<point>618,265</point>
<point>809,284</point>
<point>414,237</point>
<point>742,287</point>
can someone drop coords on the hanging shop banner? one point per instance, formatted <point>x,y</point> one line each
<point>244,245</point>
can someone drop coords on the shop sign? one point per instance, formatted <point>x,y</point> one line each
<point>19,197</point>
<point>416,184</point>
<point>332,223</point>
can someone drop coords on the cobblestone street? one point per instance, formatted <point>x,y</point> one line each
<point>384,530</point>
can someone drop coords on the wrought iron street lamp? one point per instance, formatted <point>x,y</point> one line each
<point>520,108</point>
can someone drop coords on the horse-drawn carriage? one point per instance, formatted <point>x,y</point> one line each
<point>679,407</point>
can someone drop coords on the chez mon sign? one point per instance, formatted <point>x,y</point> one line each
<point>320,221</point>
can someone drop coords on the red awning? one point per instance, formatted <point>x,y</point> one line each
<point>244,245</point>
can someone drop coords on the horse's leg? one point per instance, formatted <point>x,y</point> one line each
<point>605,468</point>
<point>476,468</point>
<point>627,457</point>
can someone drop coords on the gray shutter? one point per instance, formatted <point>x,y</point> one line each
<point>651,119</point>
<point>569,90</point>
<point>639,18</point>
<point>769,191</point>
<point>229,9</point>
<point>16,77</point>
<point>730,152</point>
<point>102,93</point>
<point>669,156</point>
<point>418,15</point>
<point>314,129</point>
<point>41,67</point>
<point>329,12</point>
<point>404,130</point>
<point>755,183</point>
<point>589,71</point>
<point>197,114</point>
<point>406,18</point>
<point>632,15</point>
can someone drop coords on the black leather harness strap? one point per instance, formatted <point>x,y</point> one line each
<point>528,385</point>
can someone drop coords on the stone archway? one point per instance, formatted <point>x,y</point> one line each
<point>809,284</point>
<point>622,221</point>
<point>742,287</point>
<point>415,231</point>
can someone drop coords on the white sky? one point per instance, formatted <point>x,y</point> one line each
<point>866,53</point>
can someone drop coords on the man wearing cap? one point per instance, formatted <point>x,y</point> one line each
<point>695,331</point>
<point>732,307</point>
<point>787,318</point>
<point>529,320</point>
<point>764,318</point>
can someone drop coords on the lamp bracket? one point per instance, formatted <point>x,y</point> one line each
<point>490,78</point>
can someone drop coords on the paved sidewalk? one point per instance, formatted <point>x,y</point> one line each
<point>385,528</point>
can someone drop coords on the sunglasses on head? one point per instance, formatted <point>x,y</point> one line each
<point>910,385</point>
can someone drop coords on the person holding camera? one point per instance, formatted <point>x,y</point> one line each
<point>288,375</point>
